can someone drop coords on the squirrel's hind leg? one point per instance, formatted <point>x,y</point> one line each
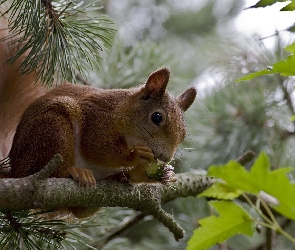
<point>37,139</point>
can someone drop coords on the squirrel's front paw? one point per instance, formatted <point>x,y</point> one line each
<point>82,175</point>
<point>141,155</point>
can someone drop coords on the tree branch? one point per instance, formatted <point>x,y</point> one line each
<point>39,191</point>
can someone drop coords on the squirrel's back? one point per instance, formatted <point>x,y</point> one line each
<point>17,91</point>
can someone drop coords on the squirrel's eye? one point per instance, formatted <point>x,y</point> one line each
<point>157,118</point>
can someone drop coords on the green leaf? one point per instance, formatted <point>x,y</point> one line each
<point>265,3</point>
<point>284,68</point>
<point>255,74</point>
<point>290,48</point>
<point>260,178</point>
<point>289,7</point>
<point>220,190</point>
<point>291,28</point>
<point>233,220</point>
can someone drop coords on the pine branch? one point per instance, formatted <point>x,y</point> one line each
<point>14,225</point>
<point>59,38</point>
<point>37,191</point>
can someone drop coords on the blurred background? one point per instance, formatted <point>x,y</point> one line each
<point>208,44</point>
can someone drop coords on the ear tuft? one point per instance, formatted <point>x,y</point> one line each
<point>186,99</point>
<point>157,82</point>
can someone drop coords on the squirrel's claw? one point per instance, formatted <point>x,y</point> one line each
<point>82,175</point>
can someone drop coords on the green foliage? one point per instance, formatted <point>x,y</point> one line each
<point>233,220</point>
<point>21,228</point>
<point>236,180</point>
<point>265,3</point>
<point>283,67</point>
<point>290,48</point>
<point>30,230</point>
<point>192,23</point>
<point>223,191</point>
<point>58,35</point>
<point>234,117</point>
<point>260,178</point>
<point>256,74</point>
<point>289,7</point>
<point>124,67</point>
<point>237,117</point>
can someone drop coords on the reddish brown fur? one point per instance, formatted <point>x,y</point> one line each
<point>112,124</point>
<point>16,91</point>
<point>97,132</point>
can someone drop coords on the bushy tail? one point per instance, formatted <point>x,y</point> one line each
<point>16,92</point>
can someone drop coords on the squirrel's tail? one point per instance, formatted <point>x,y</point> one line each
<point>16,91</point>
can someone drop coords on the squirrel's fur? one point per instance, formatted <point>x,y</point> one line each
<point>16,91</point>
<point>97,132</point>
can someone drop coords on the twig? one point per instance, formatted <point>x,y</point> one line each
<point>287,95</point>
<point>246,157</point>
<point>121,229</point>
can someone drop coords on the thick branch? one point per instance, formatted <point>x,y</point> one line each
<point>31,192</point>
<point>39,191</point>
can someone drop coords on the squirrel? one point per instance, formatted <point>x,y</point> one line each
<point>98,132</point>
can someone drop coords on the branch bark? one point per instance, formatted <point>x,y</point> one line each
<point>39,191</point>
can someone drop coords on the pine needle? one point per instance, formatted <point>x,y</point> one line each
<point>61,38</point>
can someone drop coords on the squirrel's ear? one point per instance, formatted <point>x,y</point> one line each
<point>157,82</point>
<point>186,99</point>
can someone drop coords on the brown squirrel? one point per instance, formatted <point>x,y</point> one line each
<point>97,132</point>
<point>100,132</point>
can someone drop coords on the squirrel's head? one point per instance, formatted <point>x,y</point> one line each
<point>159,116</point>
